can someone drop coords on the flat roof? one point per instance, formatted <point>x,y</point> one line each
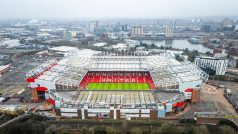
<point>101,44</point>
<point>63,48</point>
<point>4,67</point>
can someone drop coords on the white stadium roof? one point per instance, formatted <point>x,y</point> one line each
<point>70,70</point>
<point>63,78</point>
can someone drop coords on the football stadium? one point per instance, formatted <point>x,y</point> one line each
<point>90,84</point>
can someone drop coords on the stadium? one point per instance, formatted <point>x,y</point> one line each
<point>92,84</point>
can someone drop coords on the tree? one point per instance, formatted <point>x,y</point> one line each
<point>167,128</point>
<point>124,124</point>
<point>91,131</point>
<point>153,46</point>
<point>185,51</point>
<point>100,130</point>
<point>28,127</point>
<point>191,57</point>
<point>50,130</point>
<point>144,45</point>
<point>195,52</point>
<point>84,130</point>
<point>208,53</point>
<point>161,47</point>
<point>226,130</point>
<point>178,58</point>
<point>146,131</point>
<point>111,130</point>
<point>136,130</point>
<point>201,130</point>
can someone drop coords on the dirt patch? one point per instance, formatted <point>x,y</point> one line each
<point>211,93</point>
<point>209,89</point>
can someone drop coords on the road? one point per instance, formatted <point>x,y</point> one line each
<point>14,51</point>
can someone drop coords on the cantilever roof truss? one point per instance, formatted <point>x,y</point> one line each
<point>164,70</point>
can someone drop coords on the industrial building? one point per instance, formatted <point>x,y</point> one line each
<point>211,65</point>
<point>4,68</point>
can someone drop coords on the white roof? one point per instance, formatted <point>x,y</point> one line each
<point>63,49</point>
<point>120,45</point>
<point>101,44</point>
<point>3,67</point>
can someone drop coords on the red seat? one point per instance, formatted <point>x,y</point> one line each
<point>123,77</point>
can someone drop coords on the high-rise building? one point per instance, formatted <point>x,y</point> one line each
<point>198,20</point>
<point>236,28</point>
<point>136,31</point>
<point>96,24</point>
<point>226,22</point>
<point>206,28</point>
<point>124,27</point>
<point>93,26</point>
<point>157,23</point>
<point>168,32</point>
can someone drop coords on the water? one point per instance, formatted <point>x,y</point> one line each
<point>180,44</point>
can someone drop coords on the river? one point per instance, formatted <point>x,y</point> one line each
<point>180,44</point>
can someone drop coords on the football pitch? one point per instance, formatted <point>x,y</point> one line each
<point>118,86</point>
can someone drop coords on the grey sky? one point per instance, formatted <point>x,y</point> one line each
<point>116,8</point>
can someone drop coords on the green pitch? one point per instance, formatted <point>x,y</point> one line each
<point>118,86</point>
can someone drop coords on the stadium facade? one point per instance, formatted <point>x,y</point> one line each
<point>88,84</point>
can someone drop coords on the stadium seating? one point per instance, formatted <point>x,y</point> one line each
<point>114,77</point>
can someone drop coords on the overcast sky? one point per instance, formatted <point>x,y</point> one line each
<point>77,9</point>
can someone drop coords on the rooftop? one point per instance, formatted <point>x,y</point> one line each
<point>63,49</point>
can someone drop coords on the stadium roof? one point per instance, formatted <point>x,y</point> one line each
<point>69,71</point>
